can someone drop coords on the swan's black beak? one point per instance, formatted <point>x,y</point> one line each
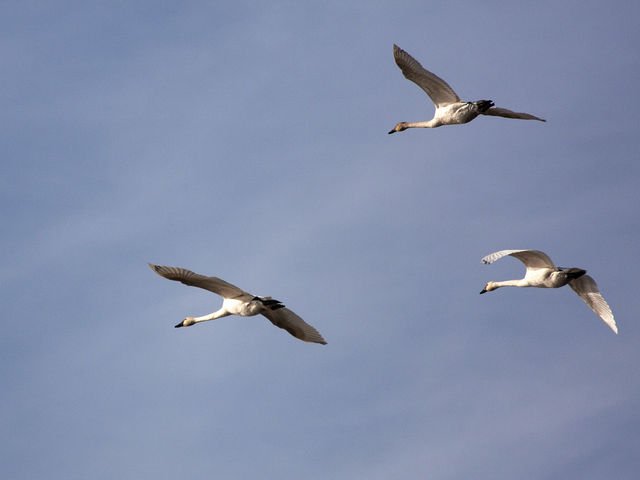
<point>484,290</point>
<point>392,131</point>
<point>181,324</point>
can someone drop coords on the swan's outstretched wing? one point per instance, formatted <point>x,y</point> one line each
<point>438,90</point>
<point>503,112</point>
<point>292,323</point>
<point>532,259</point>
<point>213,284</point>
<point>587,290</point>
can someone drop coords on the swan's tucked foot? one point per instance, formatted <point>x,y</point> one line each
<point>399,127</point>
<point>270,302</point>
<point>484,105</point>
<point>187,322</point>
<point>573,273</point>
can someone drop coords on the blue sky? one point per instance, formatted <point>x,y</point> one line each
<point>248,140</point>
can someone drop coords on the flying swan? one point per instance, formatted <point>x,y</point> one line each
<point>238,302</point>
<point>450,110</point>
<point>542,273</point>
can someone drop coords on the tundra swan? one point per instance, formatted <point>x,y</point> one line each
<point>450,110</point>
<point>238,302</point>
<point>542,273</point>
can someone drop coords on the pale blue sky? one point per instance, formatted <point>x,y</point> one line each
<point>248,140</point>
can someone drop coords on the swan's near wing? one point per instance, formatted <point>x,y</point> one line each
<point>213,284</point>
<point>292,323</point>
<point>587,290</point>
<point>438,90</point>
<point>532,259</point>
<point>503,112</point>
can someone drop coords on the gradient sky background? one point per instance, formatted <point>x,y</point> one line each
<point>248,140</point>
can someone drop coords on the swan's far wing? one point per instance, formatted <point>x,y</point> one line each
<point>292,323</point>
<point>503,112</point>
<point>587,290</point>
<point>492,257</point>
<point>213,284</point>
<point>531,258</point>
<point>438,90</point>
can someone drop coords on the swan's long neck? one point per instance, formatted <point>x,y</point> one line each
<point>402,126</point>
<point>212,316</point>
<point>429,124</point>
<point>511,283</point>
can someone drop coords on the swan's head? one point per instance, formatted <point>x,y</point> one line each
<point>187,322</point>
<point>489,287</point>
<point>399,127</point>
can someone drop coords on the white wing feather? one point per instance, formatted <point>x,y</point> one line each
<point>587,290</point>
<point>438,90</point>
<point>292,323</point>
<point>532,259</point>
<point>503,112</point>
<point>213,284</point>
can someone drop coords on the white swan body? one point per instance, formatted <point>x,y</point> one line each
<point>238,302</point>
<point>542,273</point>
<point>450,110</point>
